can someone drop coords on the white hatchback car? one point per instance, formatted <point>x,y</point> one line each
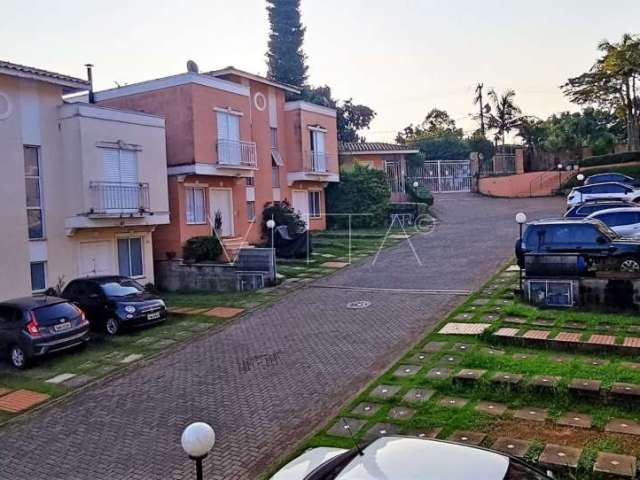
<point>407,458</point>
<point>602,191</point>
<point>624,221</point>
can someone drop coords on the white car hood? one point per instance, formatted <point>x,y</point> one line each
<point>300,467</point>
<point>401,458</point>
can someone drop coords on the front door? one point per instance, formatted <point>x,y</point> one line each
<point>301,204</point>
<point>221,209</point>
<point>95,258</point>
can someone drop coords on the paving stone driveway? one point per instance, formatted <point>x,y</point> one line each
<point>274,376</point>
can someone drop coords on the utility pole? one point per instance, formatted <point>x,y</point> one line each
<point>479,101</point>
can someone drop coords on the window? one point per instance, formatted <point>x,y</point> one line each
<point>130,257</point>
<point>38,276</point>
<point>249,181</point>
<point>120,165</point>
<point>251,210</point>
<point>318,152</point>
<point>228,138</point>
<point>196,212</point>
<point>314,204</point>
<point>33,184</point>
<point>275,176</point>
<point>274,137</point>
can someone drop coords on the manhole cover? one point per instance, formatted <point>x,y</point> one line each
<point>358,304</point>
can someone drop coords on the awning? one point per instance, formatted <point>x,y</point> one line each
<point>277,158</point>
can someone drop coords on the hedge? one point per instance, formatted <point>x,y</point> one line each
<point>610,159</point>
<point>416,209</point>
<point>202,249</point>
<point>419,194</point>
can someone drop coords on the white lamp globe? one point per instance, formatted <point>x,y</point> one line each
<point>271,224</point>
<point>198,439</point>
<point>559,166</point>
<point>580,177</point>
<point>415,184</point>
<point>521,217</point>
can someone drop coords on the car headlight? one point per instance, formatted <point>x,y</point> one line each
<point>130,309</point>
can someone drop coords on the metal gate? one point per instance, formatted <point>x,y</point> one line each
<point>445,175</point>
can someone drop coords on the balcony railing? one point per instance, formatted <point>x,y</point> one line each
<point>118,198</point>
<point>234,153</point>
<point>316,162</point>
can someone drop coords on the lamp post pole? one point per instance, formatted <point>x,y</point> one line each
<point>197,441</point>
<point>198,461</point>
<point>271,225</point>
<point>559,177</point>
<point>521,219</point>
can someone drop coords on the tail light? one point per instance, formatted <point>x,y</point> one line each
<point>32,327</point>
<point>83,317</point>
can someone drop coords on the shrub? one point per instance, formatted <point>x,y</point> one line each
<point>202,249</point>
<point>363,192</point>
<point>283,214</point>
<point>419,194</point>
<point>403,208</point>
<point>610,159</point>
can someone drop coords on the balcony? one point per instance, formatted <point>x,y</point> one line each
<point>237,154</point>
<point>116,199</point>
<point>316,166</point>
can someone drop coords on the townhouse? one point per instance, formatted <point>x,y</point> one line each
<point>388,157</point>
<point>83,186</point>
<point>234,144</point>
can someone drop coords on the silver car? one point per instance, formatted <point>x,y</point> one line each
<point>407,458</point>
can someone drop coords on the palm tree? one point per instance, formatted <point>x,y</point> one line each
<point>505,115</point>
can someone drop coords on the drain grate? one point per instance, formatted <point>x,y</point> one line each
<point>358,304</point>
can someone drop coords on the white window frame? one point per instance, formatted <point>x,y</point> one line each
<point>46,275</point>
<point>251,207</point>
<point>40,192</point>
<point>312,213</point>
<point>191,217</point>
<point>117,258</point>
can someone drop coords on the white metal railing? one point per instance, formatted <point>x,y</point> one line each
<point>315,161</point>
<point>237,153</point>
<point>118,197</point>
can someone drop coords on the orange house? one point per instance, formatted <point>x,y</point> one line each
<point>234,144</point>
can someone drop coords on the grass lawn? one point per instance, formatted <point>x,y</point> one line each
<point>434,412</point>
<point>106,355</point>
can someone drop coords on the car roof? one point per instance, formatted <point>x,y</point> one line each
<point>402,458</point>
<point>102,278</point>
<point>564,220</point>
<point>608,173</point>
<point>30,303</point>
<point>604,183</point>
<point>603,201</point>
<point>614,210</point>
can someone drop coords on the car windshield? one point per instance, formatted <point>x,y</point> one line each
<point>121,287</point>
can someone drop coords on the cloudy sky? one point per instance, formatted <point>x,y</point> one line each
<point>401,57</point>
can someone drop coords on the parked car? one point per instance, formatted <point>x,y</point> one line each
<point>610,177</point>
<point>31,327</point>
<point>402,458</point>
<point>624,221</point>
<point>114,302</point>
<point>601,247</point>
<point>602,191</point>
<point>585,209</point>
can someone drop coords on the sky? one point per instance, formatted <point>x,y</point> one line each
<point>400,57</point>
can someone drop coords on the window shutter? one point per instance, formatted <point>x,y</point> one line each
<point>111,164</point>
<point>234,127</point>
<point>223,125</point>
<point>128,166</point>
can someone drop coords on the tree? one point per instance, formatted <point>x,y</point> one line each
<point>351,118</point>
<point>436,124</point>
<point>285,56</point>
<point>505,115</point>
<point>484,108</point>
<point>611,84</point>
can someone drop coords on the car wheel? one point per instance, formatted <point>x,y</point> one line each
<point>112,326</point>
<point>18,357</point>
<point>629,265</point>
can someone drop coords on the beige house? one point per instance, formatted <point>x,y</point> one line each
<point>83,186</point>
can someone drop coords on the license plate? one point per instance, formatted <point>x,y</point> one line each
<point>60,327</point>
<point>153,316</point>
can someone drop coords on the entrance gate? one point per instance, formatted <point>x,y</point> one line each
<point>445,176</point>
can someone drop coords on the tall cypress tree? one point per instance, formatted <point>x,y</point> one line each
<point>285,57</point>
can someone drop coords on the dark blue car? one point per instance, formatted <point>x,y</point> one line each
<point>587,208</point>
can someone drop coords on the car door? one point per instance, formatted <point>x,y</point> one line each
<point>88,298</point>
<point>9,326</point>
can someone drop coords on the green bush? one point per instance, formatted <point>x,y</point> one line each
<point>610,159</point>
<point>202,249</point>
<point>419,194</point>
<point>283,214</point>
<point>363,192</point>
<point>416,209</point>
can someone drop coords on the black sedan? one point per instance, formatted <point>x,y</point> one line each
<point>114,303</point>
<point>585,209</point>
<point>31,327</point>
<point>596,243</point>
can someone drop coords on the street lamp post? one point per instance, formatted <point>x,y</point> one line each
<point>271,225</point>
<point>559,177</point>
<point>197,441</point>
<point>521,219</point>
<point>580,177</point>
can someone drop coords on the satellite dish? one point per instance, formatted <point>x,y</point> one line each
<point>192,67</point>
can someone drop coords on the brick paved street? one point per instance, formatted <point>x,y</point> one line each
<point>273,377</point>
